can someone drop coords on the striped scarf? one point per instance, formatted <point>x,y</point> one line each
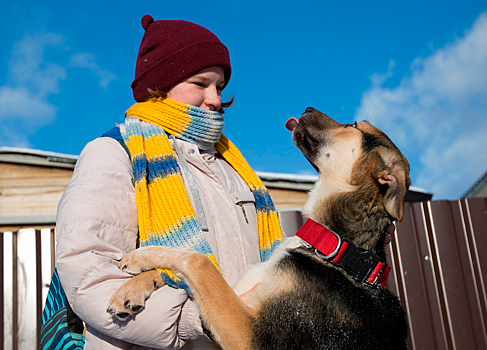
<point>166,216</point>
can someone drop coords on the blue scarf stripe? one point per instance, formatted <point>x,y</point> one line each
<point>176,284</point>
<point>263,201</point>
<point>148,130</point>
<point>139,163</point>
<point>161,167</point>
<point>203,114</point>
<point>187,234</point>
<point>266,253</point>
<point>132,128</point>
<point>204,127</point>
<point>202,134</point>
<point>209,123</point>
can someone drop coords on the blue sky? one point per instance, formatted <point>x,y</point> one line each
<point>417,69</point>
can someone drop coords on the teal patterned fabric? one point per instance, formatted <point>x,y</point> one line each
<point>57,329</point>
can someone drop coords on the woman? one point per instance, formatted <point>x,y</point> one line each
<point>123,192</point>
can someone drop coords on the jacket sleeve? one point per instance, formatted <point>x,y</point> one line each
<point>96,227</point>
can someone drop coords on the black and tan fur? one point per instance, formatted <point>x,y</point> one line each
<point>303,302</point>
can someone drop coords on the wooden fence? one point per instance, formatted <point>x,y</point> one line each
<point>25,272</point>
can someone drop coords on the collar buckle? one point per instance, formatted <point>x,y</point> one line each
<point>362,265</point>
<point>334,252</point>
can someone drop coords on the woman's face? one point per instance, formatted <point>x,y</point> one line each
<point>204,89</point>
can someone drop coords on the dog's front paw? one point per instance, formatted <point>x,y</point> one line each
<point>137,261</point>
<point>131,296</point>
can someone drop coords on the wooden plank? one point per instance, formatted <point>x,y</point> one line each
<point>31,190</point>
<point>284,198</point>
<point>2,286</point>
<point>31,171</point>
<point>34,205</point>
<point>21,227</point>
<point>15,293</point>
<point>38,285</point>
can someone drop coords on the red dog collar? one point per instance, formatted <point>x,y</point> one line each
<point>363,265</point>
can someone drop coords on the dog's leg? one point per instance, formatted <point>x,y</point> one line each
<point>131,296</point>
<point>222,311</point>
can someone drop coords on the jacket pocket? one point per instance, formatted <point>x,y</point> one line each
<point>245,203</point>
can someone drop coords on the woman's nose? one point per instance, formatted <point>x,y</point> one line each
<point>213,98</point>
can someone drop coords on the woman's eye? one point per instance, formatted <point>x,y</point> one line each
<point>197,83</point>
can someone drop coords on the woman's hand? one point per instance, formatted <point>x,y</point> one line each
<point>246,296</point>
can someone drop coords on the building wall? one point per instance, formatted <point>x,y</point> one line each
<point>29,190</point>
<point>287,198</point>
<point>481,192</point>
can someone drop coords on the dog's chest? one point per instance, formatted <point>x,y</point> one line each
<point>324,309</point>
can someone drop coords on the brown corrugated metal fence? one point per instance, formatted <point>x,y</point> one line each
<point>439,259</point>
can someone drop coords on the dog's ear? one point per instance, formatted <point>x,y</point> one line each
<point>397,181</point>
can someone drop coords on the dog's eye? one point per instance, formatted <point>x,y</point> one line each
<point>354,125</point>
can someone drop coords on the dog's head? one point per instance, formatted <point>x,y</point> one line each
<point>363,175</point>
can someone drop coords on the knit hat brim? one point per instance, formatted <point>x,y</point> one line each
<point>199,56</point>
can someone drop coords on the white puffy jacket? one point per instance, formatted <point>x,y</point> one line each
<point>97,226</point>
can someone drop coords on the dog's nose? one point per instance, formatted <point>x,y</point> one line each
<point>310,110</point>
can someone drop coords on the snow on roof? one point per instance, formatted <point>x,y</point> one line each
<point>418,189</point>
<point>287,177</point>
<point>37,152</point>
<point>19,155</point>
<point>476,186</point>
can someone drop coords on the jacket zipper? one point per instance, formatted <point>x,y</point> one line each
<point>241,204</point>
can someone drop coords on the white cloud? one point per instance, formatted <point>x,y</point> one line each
<point>28,67</point>
<point>378,79</point>
<point>31,80</point>
<point>23,100</point>
<point>437,115</point>
<point>20,103</point>
<point>87,60</point>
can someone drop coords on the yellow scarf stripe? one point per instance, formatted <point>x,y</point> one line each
<point>151,114</point>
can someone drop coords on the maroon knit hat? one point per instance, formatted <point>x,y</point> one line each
<point>173,50</point>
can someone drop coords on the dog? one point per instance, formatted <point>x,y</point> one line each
<point>309,294</point>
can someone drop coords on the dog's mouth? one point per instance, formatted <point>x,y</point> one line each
<point>302,140</point>
<point>292,123</point>
<point>300,133</point>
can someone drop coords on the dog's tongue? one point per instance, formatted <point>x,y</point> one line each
<point>291,124</point>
